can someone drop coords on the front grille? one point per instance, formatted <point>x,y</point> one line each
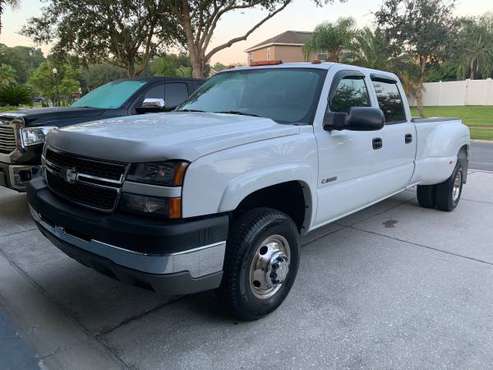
<point>88,182</point>
<point>102,170</point>
<point>7,139</point>
<point>93,196</point>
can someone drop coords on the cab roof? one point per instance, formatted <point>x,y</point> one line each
<point>323,65</point>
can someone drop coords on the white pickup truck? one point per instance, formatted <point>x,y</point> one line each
<point>217,194</point>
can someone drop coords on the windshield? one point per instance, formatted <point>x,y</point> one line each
<point>286,95</point>
<point>109,96</point>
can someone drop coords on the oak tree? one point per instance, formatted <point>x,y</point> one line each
<point>125,33</point>
<point>198,20</point>
<point>420,28</point>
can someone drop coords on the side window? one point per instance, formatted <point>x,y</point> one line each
<point>390,101</point>
<point>155,92</point>
<point>350,92</point>
<point>176,93</point>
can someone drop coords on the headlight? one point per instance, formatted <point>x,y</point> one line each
<point>31,136</point>
<point>169,173</point>
<point>151,206</point>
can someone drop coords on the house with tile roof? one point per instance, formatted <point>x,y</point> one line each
<point>287,46</point>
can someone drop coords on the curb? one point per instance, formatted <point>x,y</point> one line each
<point>482,141</point>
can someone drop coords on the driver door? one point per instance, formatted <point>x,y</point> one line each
<point>349,162</point>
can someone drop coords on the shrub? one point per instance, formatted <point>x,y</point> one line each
<point>15,95</point>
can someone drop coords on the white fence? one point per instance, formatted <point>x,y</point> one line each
<point>468,92</point>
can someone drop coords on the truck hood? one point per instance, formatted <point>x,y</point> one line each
<point>155,137</point>
<point>54,116</point>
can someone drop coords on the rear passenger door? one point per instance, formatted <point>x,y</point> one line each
<point>398,136</point>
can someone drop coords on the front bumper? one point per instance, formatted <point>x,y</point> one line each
<point>17,177</point>
<point>187,257</point>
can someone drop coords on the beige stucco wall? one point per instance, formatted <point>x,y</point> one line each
<point>289,53</point>
<point>259,55</point>
<point>277,52</point>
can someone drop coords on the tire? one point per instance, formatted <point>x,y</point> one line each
<point>426,196</point>
<point>250,262</point>
<point>449,192</point>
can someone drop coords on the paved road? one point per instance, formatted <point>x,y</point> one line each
<point>482,155</point>
<point>15,354</point>
<point>394,286</point>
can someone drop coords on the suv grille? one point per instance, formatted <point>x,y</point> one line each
<point>7,138</point>
<point>84,181</point>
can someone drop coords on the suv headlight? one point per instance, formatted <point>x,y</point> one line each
<point>169,173</point>
<point>31,136</point>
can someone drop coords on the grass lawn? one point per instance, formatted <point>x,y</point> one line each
<point>8,109</point>
<point>478,118</point>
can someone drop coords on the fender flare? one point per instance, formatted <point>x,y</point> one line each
<point>248,183</point>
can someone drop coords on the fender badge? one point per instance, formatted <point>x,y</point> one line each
<point>331,179</point>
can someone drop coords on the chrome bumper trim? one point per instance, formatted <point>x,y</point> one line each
<point>198,262</point>
<point>151,190</point>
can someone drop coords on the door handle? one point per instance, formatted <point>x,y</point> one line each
<point>408,138</point>
<point>377,143</point>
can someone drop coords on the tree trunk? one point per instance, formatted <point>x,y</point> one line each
<point>473,70</point>
<point>197,64</point>
<point>196,56</point>
<point>131,70</point>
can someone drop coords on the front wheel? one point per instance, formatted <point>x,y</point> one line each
<point>262,258</point>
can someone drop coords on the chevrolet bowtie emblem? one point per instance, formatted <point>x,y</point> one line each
<point>71,175</point>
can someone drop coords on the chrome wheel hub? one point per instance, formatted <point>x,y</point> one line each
<point>457,186</point>
<point>270,266</point>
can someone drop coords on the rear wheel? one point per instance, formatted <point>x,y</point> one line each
<point>262,258</point>
<point>449,192</point>
<point>426,196</point>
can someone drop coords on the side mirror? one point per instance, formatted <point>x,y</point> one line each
<point>150,105</point>
<point>358,119</point>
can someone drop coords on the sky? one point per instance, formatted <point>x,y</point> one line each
<point>301,15</point>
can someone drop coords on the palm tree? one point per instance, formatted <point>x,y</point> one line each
<point>476,46</point>
<point>371,49</point>
<point>333,39</point>
<point>3,5</point>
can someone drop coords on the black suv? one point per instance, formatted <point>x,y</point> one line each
<point>22,133</point>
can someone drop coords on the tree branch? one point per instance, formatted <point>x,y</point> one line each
<point>245,36</point>
<point>211,26</point>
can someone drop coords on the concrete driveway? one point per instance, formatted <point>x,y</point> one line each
<point>394,286</point>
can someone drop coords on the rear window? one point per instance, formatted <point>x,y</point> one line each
<point>390,101</point>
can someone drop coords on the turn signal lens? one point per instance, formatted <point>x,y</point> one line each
<point>174,208</point>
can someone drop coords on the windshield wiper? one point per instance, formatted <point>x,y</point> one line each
<point>191,110</point>
<point>239,113</point>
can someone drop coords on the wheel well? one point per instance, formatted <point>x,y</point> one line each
<point>463,156</point>
<point>291,198</point>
